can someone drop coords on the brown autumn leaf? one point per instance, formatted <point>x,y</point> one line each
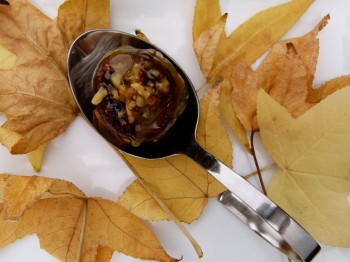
<point>312,153</point>
<point>34,95</point>
<point>245,44</point>
<point>289,87</point>
<point>77,16</point>
<point>286,74</point>
<point>71,226</point>
<point>178,181</point>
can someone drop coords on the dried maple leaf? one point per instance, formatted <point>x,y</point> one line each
<point>288,86</point>
<point>286,74</point>
<point>206,45</point>
<point>71,226</point>
<point>313,183</point>
<point>77,16</point>
<point>252,38</point>
<point>178,181</point>
<point>246,44</point>
<point>34,95</point>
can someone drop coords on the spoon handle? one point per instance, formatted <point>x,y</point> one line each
<point>256,210</point>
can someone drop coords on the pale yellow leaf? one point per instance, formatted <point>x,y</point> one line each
<point>206,45</point>
<point>206,14</point>
<point>9,138</point>
<point>36,157</point>
<point>228,113</point>
<point>252,38</point>
<point>313,184</point>
<point>7,59</point>
<point>211,133</point>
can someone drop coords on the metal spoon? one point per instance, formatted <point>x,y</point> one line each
<point>251,206</point>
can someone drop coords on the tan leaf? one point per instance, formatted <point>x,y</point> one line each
<point>22,192</point>
<point>252,38</point>
<point>285,74</point>
<point>7,59</point>
<point>206,15</point>
<point>72,227</point>
<point>23,39</point>
<point>306,46</point>
<point>77,16</point>
<point>35,95</point>
<point>178,181</point>
<point>313,184</point>
<point>316,95</point>
<point>206,45</point>
<point>104,254</point>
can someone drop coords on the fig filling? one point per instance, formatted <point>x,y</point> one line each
<point>138,96</point>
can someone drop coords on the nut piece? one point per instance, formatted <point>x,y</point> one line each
<point>98,97</point>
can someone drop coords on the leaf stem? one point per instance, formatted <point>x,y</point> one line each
<point>257,163</point>
<point>82,234</point>
<point>261,170</point>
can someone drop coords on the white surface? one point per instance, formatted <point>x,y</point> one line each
<point>80,156</point>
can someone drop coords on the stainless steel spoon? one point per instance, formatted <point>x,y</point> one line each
<point>251,206</point>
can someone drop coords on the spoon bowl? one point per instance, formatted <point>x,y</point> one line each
<point>252,207</point>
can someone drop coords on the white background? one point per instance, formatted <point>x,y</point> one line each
<point>82,157</point>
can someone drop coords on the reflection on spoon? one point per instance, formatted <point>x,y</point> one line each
<point>245,201</point>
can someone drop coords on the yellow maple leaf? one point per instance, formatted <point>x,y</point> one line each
<point>178,181</point>
<point>206,15</point>
<point>313,183</point>
<point>206,45</point>
<point>256,35</point>
<point>71,226</point>
<point>245,44</point>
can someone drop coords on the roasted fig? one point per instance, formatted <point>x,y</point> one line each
<point>138,96</point>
